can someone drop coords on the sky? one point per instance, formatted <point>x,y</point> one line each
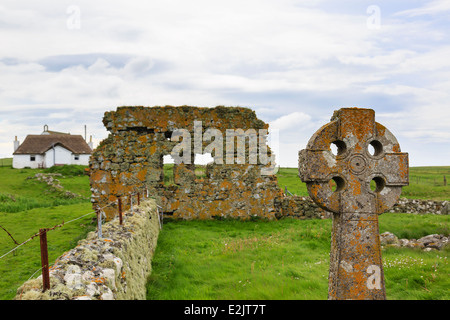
<point>64,63</point>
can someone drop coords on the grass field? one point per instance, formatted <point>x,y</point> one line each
<point>25,207</point>
<point>286,259</point>
<point>18,267</point>
<point>18,193</point>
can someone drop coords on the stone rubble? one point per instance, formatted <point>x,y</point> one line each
<point>427,243</point>
<point>54,184</point>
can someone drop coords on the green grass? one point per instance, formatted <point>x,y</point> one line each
<point>428,183</point>
<point>168,174</point>
<point>25,207</point>
<point>424,183</point>
<point>285,259</point>
<point>288,177</point>
<point>200,173</point>
<point>18,193</point>
<point>6,162</point>
<point>414,226</point>
<point>17,267</point>
<point>67,170</point>
<point>412,274</point>
<point>241,260</point>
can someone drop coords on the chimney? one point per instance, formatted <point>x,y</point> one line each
<point>16,144</point>
<point>91,144</point>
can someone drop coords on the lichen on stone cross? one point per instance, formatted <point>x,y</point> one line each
<point>367,153</point>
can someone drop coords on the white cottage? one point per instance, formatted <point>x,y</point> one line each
<point>51,148</point>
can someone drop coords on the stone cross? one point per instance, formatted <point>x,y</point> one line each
<point>368,171</point>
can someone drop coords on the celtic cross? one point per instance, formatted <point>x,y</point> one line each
<point>368,171</point>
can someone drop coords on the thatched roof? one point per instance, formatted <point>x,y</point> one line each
<point>39,144</point>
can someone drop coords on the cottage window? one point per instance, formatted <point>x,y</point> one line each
<point>76,157</point>
<point>32,158</point>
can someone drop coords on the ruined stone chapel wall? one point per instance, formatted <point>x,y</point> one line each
<point>131,160</point>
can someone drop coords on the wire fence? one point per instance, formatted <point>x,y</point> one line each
<point>5,162</point>
<point>40,232</point>
<point>438,180</point>
<point>43,232</point>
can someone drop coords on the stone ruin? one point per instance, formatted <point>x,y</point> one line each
<point>238,184</point>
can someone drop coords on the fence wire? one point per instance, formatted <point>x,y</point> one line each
<point>442,180</point>
<point>48,229</point>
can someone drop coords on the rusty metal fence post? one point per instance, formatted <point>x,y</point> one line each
<point>356,269</point>
<point>119,204</point>
<point>44,260</point>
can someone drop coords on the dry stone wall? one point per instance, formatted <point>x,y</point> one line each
<point>301,208</point>
<point>114,267</point>
<point>305,208</point>
<point>427,243</point>
<point>417,206</point>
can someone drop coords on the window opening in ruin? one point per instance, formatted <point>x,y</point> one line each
<point>200,162</point>
<point>168,164</point>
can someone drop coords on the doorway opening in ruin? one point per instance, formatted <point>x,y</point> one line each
<point>168,164</point>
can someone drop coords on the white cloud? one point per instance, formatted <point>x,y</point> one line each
<point>431,8</point>
<point>387,60</point>
<point>293,120</point>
